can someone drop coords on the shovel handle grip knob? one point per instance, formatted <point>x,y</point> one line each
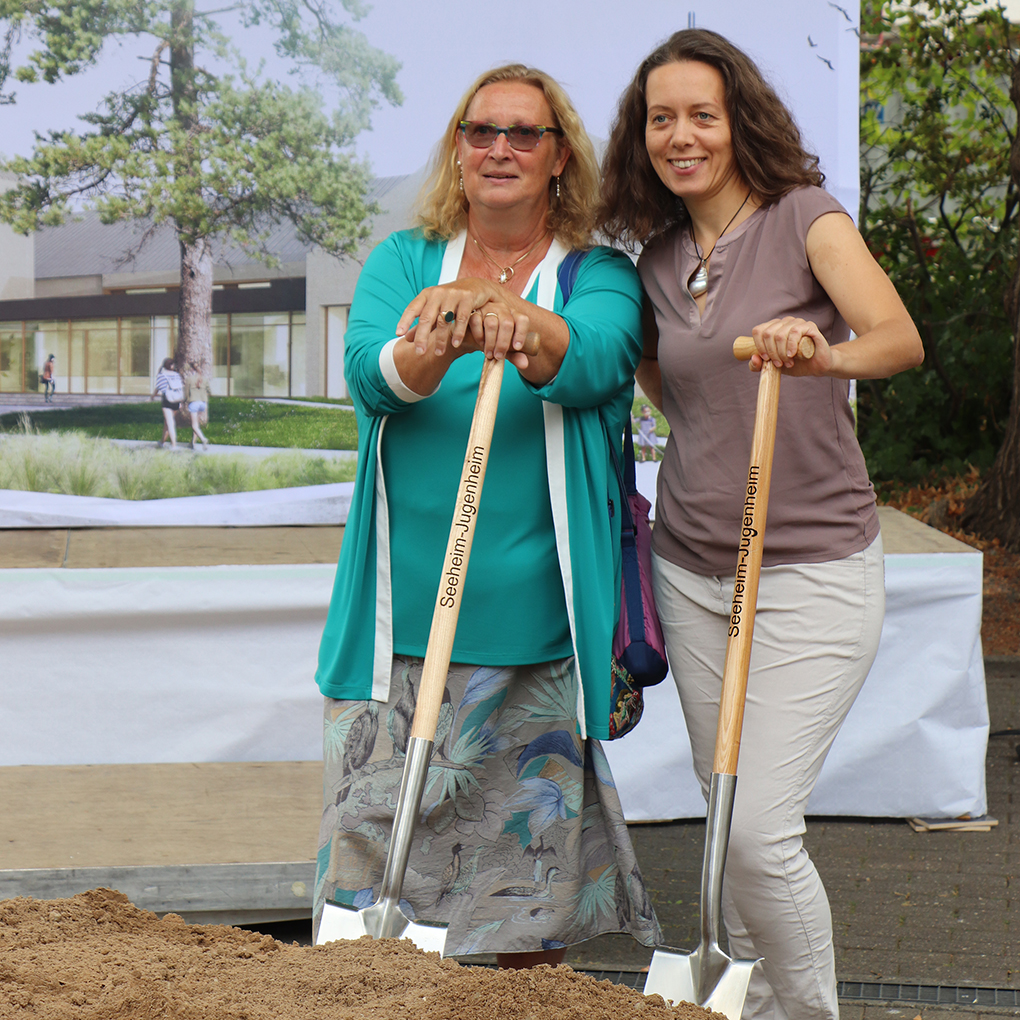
<point>532,343</point>
<point>743,348</point>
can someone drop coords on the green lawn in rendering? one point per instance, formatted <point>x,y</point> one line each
<point>233,421</point>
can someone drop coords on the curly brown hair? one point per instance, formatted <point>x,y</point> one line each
<point>442,207</point>
<point>636,205</point>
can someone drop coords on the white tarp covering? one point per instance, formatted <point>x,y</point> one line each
<point>306,504</point>
<point>216,664</point>
<point>914,742</point>
<point>167,664</point>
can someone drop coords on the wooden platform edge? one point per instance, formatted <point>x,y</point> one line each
<point>201,894</point>
<point>906,535</point>
<point>84,548</point>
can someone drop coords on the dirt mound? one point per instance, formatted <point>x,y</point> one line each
<point>98,957</point>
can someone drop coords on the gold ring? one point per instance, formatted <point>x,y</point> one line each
<point>487,314</point>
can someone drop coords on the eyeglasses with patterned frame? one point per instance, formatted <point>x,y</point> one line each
<point>522,137</point>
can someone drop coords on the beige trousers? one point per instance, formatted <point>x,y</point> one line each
<point>816,634</point>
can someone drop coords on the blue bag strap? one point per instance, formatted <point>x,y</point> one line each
<point>627,477</point>
<point>567,272</point>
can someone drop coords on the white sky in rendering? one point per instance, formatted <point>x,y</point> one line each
<point>807,48</point>
<point>591,47</point>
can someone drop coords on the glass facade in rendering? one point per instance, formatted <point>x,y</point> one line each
<point>254,354</point>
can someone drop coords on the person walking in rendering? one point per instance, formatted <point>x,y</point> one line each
<point>646,439</point>
<point>170,390</point>
<point>197,399</point>
<point>48,377</point>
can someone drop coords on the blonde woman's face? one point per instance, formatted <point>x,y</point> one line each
<point>500,177</point>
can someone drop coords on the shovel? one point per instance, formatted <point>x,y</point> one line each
<point>384,919</point>
<point>708,976</point>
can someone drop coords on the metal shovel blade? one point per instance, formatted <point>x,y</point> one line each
<point>676,976</point>
<point>707,977</point>
<point>381,921</point>
<point>384,919</point>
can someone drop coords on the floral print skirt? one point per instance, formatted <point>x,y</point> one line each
<point>522,844</point>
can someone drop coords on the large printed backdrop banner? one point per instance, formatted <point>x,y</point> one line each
<point>808,50</point>
<point>216,663</point>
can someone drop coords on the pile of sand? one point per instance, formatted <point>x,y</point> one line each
<point>98,957</point>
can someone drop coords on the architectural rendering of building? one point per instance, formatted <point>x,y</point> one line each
<point>103,300</point>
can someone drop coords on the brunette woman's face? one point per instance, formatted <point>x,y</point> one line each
<point>687,132</point>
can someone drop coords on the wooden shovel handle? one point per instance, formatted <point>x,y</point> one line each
<point>743,348</point>
<point>458,548</point>
<point>749,552</point>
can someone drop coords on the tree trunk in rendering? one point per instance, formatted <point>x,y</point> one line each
<point>194,332</point>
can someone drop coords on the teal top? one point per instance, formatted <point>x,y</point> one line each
<point>543,579</point>
<point>512,605</point>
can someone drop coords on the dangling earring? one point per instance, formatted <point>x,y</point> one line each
<point>557,189</point>
<point>460,171</point>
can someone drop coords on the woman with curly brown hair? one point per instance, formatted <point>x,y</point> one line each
<point>706,169</point>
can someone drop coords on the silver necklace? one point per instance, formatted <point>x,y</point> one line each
<point>506,273</point>
<point>698,283</point>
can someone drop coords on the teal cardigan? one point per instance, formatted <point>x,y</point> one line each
<point>589,398</point>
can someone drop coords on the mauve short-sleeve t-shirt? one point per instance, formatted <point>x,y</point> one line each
<point>821,504</point>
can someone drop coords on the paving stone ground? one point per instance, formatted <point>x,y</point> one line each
<point>940,908</point>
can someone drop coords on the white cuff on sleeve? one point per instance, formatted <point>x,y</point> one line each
<point>388,367</point>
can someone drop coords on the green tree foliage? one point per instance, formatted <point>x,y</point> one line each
<point>213,153</point>
<point>939,211</point>
<point>13,16</point>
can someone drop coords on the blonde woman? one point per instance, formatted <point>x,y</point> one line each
<point>522,849</point>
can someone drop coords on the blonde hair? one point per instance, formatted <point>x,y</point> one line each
<point>442,206</point>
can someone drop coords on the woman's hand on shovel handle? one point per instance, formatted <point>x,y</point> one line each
<point>744,348</point>
<point>480,315</point>
<point>795,346</point>
<point>424,374</point>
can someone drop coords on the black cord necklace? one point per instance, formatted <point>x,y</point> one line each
<point>698,283</point>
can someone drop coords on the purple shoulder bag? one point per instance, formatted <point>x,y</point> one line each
<point>639,650</point>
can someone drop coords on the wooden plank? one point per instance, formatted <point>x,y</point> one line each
<point>89,816</point>
<point>200,547</point>
<point>902,533</point>
<point>31,547</point>
<point>202,894</point>
<point>185,547</point>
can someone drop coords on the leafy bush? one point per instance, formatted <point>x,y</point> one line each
<point>939,213</point>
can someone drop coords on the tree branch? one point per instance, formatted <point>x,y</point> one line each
<point>155,64</point>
